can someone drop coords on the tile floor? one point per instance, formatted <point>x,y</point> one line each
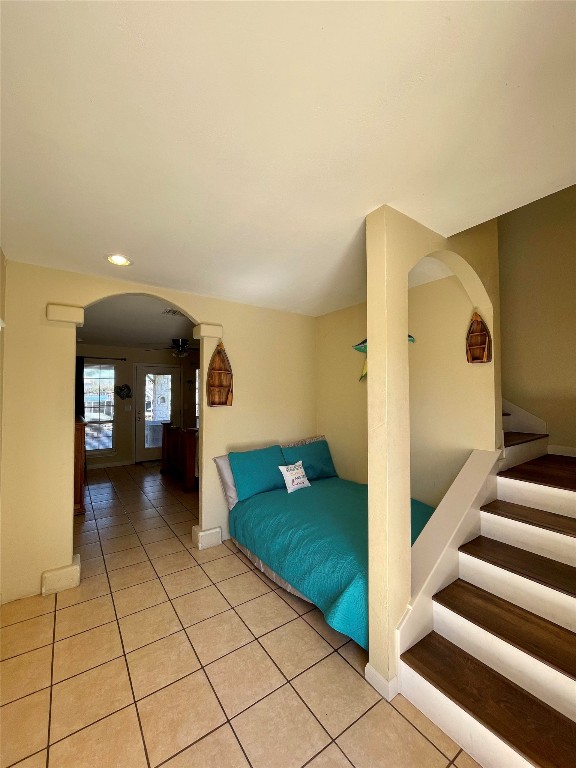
<point>166,655</point>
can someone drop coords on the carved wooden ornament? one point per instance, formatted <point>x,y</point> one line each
<point>219,386</point>
<point>478,341</point>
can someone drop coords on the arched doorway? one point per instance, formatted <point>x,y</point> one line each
<point>137,369</point>
<point>449,398</point>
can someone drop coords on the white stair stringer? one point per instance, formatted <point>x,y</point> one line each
<point>534,597</point>
<point>538,678</point>
<point>479,742</point>
<point>518,454</point>
<point>532,538</point>
<point>557,500</point>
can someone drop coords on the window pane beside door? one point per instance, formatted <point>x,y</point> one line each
<point>157,407</point>
<point>99,406</point>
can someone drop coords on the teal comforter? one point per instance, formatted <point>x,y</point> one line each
<point>317,540</point>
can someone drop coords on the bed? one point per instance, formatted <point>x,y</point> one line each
<point>316,541</point>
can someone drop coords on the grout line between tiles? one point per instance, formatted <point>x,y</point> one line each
<point>194,563</point>
<point>51,681</point>
<point>422,732</point>
<point>201,668</point>
<point>127,667</point>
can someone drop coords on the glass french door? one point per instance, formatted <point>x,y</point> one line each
<point>157,399</point>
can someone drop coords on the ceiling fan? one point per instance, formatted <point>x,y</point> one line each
<point>179,348</point>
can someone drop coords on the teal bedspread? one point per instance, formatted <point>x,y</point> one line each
<point>317,540</point>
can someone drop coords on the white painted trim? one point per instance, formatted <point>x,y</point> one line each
<point>210,537</point>
<point>207,330</point>
<point>539,496</point>
<point>58,579</point>
<point>538,678</point>
<point>537,598</point>
<point>477,740</point>
<point>518,454</point>
<point>64,313</point>
<point>532,538</point>
<point>521,420</point>
<point>104,464</point>
<point>435,552</point>
<point>386,688</point>
<point>562,450</point>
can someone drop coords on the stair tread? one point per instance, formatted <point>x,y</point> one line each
<point>537,568</point>
<point>532,728</point>
<point>517,438</point>
<point>542,639</point>
<point>531,516</point>
<point>551,470</point>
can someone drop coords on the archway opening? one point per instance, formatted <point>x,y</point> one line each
<point>451,400</point>
<point>137,395</point>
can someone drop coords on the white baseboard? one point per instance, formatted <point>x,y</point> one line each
<point>65,577</point>
<point>386,688</point>
<point>105,464</point>
<point>210,537</point>
<point>562,450</point>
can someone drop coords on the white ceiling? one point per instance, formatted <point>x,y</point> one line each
<point>234,149</point>
<point>134,320</point>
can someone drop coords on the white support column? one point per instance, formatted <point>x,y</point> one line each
<point>65,576</point>
<point>208,334</point>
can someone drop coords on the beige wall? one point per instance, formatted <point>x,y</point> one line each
<point>395,244</point>
<point>449,398</point>
<point>272,355</point>
<point>341,400</point>
<point>538,277</point>
<point>125,371</point>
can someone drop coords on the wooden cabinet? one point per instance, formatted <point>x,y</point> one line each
<point>79,465</point>
<point>179,454</point>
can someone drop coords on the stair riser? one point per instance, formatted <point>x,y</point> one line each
<point>539,496</point>
<point>530,595</point>
<point>518,454</point>
<point>549,685</point>
<point>484,746</point>
<point>530,537</point>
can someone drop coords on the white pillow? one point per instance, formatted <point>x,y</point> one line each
<point>294,477</point>
<point>226,479</point>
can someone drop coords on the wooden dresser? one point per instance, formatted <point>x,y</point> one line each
<point>79,465</point>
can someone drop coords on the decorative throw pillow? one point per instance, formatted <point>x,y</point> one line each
<point>226,479</point>
<point>294,477</point>
<point>256,471</point>
<point>315,457</point>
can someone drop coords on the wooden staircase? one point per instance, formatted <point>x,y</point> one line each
<point>500,663</point>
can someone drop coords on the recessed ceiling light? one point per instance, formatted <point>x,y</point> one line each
<point>119,260</point>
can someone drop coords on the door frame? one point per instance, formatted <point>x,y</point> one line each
<point>159,368</point>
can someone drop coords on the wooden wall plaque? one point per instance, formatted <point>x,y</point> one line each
<point>478,341</point>
<point>220,380</point>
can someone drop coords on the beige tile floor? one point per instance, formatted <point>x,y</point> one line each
<point>165,655</point>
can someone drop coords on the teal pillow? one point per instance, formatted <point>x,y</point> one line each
<point>257,471</point>
<point>315,457</point>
